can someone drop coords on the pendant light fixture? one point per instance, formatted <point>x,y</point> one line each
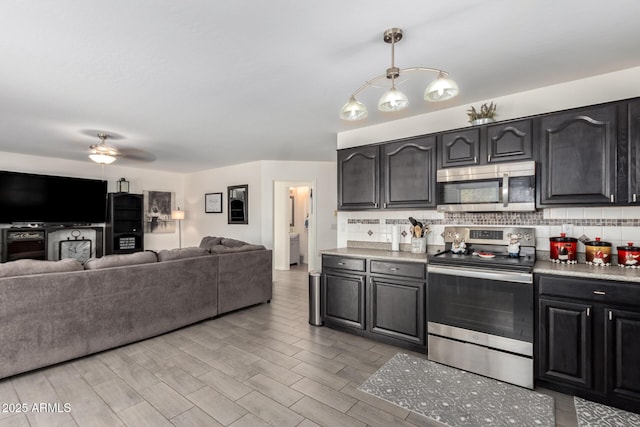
<point>441,89</point>
<point>102,153</point>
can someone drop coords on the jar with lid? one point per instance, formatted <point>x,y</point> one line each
<point>598,252</point>
<point>629,256</point>
<point>563,249</point>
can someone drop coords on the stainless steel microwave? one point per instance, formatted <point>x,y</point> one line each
<point>491,188</point>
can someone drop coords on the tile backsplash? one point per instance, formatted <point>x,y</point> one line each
<point>617,225</point>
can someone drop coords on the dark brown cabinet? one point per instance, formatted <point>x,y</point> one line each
<point>394,175</point>
<point>565,342</point>
<point>124,227</point>
<point>578,156</point>
<point>588,339</point>
<point>629,165</point>
<point>408,173</point>
<point>359,178</point>
<point>494,143</point>
<point>460,148</point>
<point>383,300</point>
<point>343,291</point>
<point>396,302</point>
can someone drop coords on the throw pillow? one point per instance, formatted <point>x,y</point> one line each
<point>233,243</point>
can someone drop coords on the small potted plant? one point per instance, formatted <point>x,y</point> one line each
<point>484,116</point>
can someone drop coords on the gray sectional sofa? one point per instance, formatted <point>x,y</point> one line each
<point>53,311</point>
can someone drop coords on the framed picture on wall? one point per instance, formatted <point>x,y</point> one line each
<point>213,203</point>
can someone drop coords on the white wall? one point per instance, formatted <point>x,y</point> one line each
<point>140,180</point>
<point>603,88</point>
<point>198,224</point>
<point>325,193</point>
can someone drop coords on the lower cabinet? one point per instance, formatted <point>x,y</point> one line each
<point>344,299</point>
<point>588,339</point>
<point>397,309</point>
<point>379,299</point>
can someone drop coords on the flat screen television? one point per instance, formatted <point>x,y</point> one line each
<point>32,198</point>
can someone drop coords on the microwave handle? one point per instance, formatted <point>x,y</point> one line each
<point>505,190</point>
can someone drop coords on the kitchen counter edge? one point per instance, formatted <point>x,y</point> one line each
<point>403,256</point>
<point>609,273</point>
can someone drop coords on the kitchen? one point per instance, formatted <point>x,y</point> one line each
<point>578,318</point>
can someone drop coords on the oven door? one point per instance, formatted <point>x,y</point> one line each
<point>498,304</point>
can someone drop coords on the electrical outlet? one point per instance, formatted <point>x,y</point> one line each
<point>567,229</point>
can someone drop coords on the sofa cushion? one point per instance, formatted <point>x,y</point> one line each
<point>23,267</point>
<point>173,254</point>
<point>221,249</point>
<point>209,241</point>
<point>107,261</point>
<point>233,243</point>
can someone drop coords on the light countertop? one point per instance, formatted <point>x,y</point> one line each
<point>612,272</point>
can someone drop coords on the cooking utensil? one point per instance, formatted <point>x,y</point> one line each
<point>629,256</point>
<point>598,253</point>
<point>563,249</point>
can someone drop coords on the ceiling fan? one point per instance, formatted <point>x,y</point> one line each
<point>105,154</point>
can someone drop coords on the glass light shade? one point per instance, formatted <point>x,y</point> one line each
<point>441,89</point>
<point>103,159</point>
<point>393,100</point>
<point>353,110</point>
<point>103,154</point>
<point>177,214</point>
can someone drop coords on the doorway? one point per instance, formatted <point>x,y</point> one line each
<point>294,238</point>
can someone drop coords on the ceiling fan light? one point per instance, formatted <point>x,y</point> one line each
<point>441,89</point>
<point>103,159</point>
<point>353,110</point>
<point>393,100</point>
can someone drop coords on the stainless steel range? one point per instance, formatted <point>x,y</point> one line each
<point>481,302</point>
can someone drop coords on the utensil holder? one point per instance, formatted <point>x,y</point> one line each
<point>418,245</point>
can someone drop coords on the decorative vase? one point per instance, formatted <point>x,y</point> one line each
<point>482,121</point>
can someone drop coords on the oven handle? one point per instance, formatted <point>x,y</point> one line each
<point>503,276</point>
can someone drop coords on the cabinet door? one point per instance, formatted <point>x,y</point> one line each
<point>632,172</point>
<point>409,173</point>
<point>397,309</point>
<point>509,142</point>
<point>460,148</point>
<point>578,157</point>
<point>358,178</point>
<point>344,299</point>
<point>565,340</point>
<point>622,341</point>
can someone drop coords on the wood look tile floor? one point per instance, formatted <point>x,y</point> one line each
<point>264,365</point>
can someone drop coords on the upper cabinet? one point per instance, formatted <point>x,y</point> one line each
<point>495,143</point>
<point>398,174</point>
<point>629,173</point>
<point>578,157</point>
<point>358,178</point>
<point>408,173</point>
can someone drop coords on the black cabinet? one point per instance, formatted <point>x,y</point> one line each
<point>494,143</point>
<point>343,291</point>
<point>124,231</point>
<point>578,156</point>
<point>622,341</point>
<point>394,175</point>
<point>565,342</point>
<point>588,339</point>
<point>408,173</point>
<point>359,178</point>
<point>397,303</point>
<point>383,300</point>
<point>629,165</point>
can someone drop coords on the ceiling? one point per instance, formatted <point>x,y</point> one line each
<point>191,85</point>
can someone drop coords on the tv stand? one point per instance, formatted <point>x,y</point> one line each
<point>41,241</point>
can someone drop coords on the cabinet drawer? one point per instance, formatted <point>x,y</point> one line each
<point>590,289</point>
<point>404,269</point>
<point>342,263</point>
